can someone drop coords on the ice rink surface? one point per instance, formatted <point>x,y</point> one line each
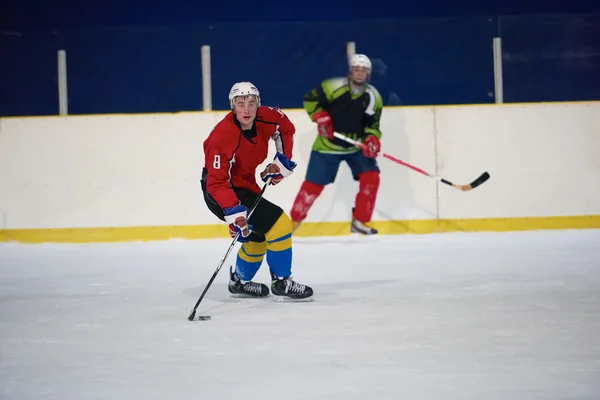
<point>445,316</point>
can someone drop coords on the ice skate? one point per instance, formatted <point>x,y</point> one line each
<point>237,288</point>
<point>285,289</point>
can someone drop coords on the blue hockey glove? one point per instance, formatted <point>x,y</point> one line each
<point>280,168</point>
<point>236,217</point>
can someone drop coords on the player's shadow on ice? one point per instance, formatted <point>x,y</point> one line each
<point>217,297</point>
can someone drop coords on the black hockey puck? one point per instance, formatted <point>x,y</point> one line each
<point>203,317</point>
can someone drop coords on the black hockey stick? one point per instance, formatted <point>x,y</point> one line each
<point>207,317</point>
<point>480,180</point>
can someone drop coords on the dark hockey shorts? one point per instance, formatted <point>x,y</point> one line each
<point>263,218</point>
<point>322,167</point>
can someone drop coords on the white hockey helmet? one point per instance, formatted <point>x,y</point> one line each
<point>243,89</point>
<point>360,60</point>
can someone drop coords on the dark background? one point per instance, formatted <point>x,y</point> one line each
<point>144,56</point>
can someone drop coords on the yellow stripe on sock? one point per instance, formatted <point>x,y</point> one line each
<point>279,237</point>
<point>253,251</point>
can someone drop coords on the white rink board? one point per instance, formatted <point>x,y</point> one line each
<point>144,170</point>
<point>102,171</point>
<point>544,160</point>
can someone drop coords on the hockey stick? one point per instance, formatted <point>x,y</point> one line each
<point>207,317</point>
<point>481,179</point>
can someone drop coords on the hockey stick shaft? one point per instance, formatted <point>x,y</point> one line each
<point>385,155</point>
<point>481,179</point>
<point>214,275</point>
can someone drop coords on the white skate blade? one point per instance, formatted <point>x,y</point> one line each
<point>246,296</point>
<point>359,237</point>
<point>285,299</point>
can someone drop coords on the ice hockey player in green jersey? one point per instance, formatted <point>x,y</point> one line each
<point>350,106</point>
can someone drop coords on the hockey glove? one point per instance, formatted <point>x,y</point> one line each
<point>324,124</point>
<point>236,218</point>
<point>373,145</point>
<point>280,168</point>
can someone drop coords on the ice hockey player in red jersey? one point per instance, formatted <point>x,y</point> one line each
<point>235,148</point>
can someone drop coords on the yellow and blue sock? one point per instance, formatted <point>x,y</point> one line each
<point>249,258</point>
<point>279,247</point>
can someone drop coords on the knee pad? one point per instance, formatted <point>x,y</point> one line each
<point>279,236</point>
<point>312,188</point>
<point>279,247</point>
<point>370,178</point>
<point>304,200</point>
<point>253,251</point>
<point>249,258</point>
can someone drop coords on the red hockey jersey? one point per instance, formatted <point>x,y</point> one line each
<point>231,156</point>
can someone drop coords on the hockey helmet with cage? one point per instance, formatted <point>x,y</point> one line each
<point>360,60</point>
<point>243,89</point>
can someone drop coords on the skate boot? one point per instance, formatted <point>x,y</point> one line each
<point>285,289</point>
<point>238,288</point>
<point>359,228</point>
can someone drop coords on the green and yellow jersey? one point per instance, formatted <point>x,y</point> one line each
<point>355,115</point>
